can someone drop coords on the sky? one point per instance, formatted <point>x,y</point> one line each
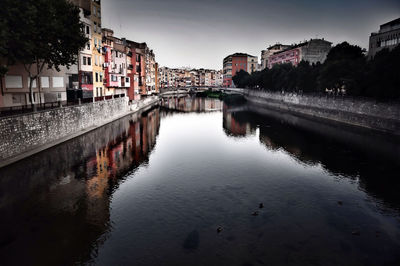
<point>199,34</point>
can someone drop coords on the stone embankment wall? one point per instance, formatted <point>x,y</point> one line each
<point>383,117</point>
<point>22,133</point>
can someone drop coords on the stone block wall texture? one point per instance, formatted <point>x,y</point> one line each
<point>383,117</point>
<point>21,133</point>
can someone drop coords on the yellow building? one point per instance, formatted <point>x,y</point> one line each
<point>96,43</point>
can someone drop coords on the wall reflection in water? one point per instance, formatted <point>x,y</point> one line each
<point>370,158</point>
<point>188,103</point>
<point>54,206</point>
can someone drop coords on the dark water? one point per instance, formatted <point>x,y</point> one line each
<point>152,189</point>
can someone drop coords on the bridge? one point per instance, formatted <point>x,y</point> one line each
<point>183,91</point>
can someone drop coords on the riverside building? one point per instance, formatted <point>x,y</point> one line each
<point>270,51</point>
<point>235,63</point>
<point>388,36</point>
<point>313,51</point>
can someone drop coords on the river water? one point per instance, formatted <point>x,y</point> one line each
<point>152,189</point>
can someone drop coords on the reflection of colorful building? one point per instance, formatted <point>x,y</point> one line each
<point>121,154</point>
<point>192,104</point>
<point>232,126</point>
<point>97,186</point>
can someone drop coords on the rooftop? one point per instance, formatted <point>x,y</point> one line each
<point>391,25</point>
<point>278,45</point>
<point>238,55</point>
<point>290,47</point>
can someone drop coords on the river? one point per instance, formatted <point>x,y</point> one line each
<point>153,188</point>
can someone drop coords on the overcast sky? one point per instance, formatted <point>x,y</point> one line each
<point>201,33</point>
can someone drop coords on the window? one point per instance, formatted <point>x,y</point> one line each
<point>95,60</point>
<point>33,83</point>
<point>89,61</point>
<point>13,81</point>
<point>101,77</point>
<point>58,82</point>
<point>97,77</point>
<point>95,27</point>
<point>84,60</point>
<point>88,46</point>
<point>94,11</point>
<point>45,82</point>
<point>87,29</point>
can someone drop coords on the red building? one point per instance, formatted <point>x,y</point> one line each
<point>313,51</point>
<point>233,64</point>
<point>292,56</point>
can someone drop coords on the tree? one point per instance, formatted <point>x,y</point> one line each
<point>306,76</point>
<point>40,33</point>
<point>344,66</point>
<point>241,79</point>
<point>383,79</point>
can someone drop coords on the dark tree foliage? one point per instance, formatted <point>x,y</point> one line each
<point>345,69</point>
<point>383,75</point>
<point>39,33</point>
<point>242,79</point>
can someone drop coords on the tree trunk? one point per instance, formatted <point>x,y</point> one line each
<point>31,93</point>
<point>1,85</point>
<point>38,83</point>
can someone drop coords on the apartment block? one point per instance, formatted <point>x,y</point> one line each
<point>234,63</point>
<point>313,51</point>
<point>388,36</point>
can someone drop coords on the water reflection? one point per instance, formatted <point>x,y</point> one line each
<point>190,103</point>
<point>102,198</point>
<point>233,126</point>
<point>372,159</point>
<point>55,206</point>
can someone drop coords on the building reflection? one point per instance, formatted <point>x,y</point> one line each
<point>233,125</point>
<point>189,103</point>
<point>371,159</point>
<point>64,192</point>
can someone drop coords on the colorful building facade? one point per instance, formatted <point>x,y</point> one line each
<point>96,47</point>
<point>235,63</point>
<point>313,51</point>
